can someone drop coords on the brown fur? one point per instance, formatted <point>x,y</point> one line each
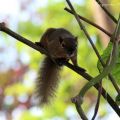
<point>47,81</point>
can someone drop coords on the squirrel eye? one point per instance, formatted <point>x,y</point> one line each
<point>63,45</point>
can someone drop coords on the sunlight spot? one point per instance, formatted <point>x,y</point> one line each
<point>9,7</point>
<point>36,111</point>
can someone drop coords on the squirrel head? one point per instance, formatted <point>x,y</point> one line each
<point>69,44</point>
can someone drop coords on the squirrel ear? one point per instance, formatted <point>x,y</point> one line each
<point>60,40</point>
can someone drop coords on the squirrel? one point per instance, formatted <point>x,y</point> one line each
<point>61,45</point>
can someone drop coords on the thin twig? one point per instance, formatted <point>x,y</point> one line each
<point>83,74</point>
<point>90,22</point>
<point>79,108</point>
<point>98,101</point>
<point>107,12</point>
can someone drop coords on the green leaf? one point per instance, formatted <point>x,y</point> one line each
<point>117,99</point>
<point>116,70</point>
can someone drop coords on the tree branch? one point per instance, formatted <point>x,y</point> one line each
<point>107,12</point>
<point>98,101</point>
<point>90,22</point>
<point>21,39</point>
<point>79,108</point>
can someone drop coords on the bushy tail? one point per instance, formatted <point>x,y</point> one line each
<point>47,81</point>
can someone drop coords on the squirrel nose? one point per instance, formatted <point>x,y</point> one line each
<point>70,53</point>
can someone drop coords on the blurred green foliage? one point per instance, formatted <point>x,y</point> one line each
<point>23,81</point>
